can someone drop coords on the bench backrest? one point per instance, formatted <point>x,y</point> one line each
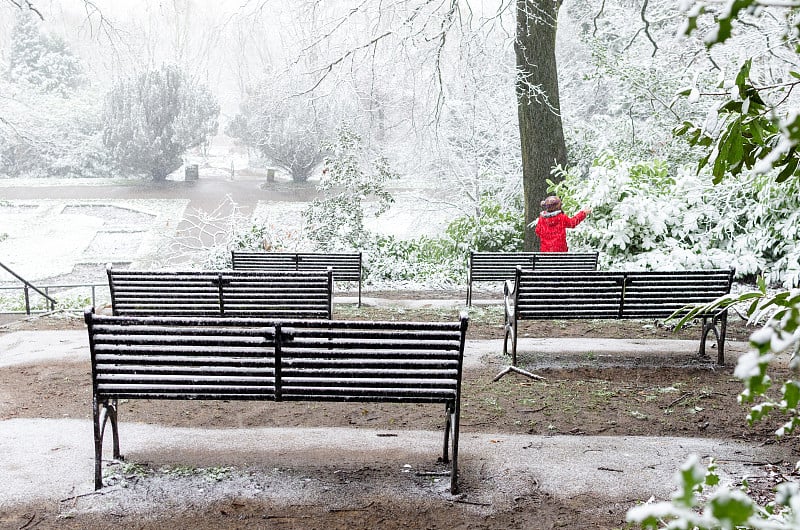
<point>660,294</point>
<point>565,261</point>
<point>263,261</point>
<point>373,361</point>
<point>497,266</point>
<point>501,266</point>
<point>573,294</point>
<point>591,294</point>
<point>264,294</point>
<point>237,358</point>
<point>181,358</point>
<point>346,266</point>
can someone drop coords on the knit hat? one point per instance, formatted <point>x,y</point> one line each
<point>551,204</point>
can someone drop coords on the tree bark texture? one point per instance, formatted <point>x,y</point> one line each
<point>540,128</point>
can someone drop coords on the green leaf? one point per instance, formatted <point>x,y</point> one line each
<point>735,141</point>
<point>791,394</point>
<point>743,75</point>
<point>788,170</point>
<point>732,510</point>
<point>682,129</point>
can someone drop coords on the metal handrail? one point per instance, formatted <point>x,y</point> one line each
<point>46,288</point>
<point>27,286</point>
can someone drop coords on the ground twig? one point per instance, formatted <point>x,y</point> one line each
<point>462,501</point>
<point>675,402</point>
<point>526,373</point>
<point>27,524</point>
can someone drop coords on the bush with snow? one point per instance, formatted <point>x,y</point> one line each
<point>649,216</point>
<point>51,135</point>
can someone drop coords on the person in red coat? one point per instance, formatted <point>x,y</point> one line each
<point>553,223</point>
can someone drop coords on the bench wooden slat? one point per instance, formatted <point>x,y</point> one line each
<point>181,378</point>
<point>427,363</point>
<point>182,392</point>
<point>187,368</point>
<point>396,394</point>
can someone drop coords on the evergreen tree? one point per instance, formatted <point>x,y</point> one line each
<point>151,121</point>
<point>41,60</point>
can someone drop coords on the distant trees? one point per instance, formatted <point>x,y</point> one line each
<point>152,120</point>
<point>288,129</point>
<point>41,60</point>
<point>49,124</point>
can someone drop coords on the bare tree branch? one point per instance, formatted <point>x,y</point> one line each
<point>597,16</point>
<point>26,4</point>
<point>642,13</point>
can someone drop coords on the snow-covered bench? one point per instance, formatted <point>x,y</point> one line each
<point>264,294</point>
<point>190,358</point>
<point>500,266</point>
<point>549,295</point>
<point>346,266</point>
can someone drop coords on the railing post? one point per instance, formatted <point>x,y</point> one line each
<point>27,300</point>
<point>46,301</point>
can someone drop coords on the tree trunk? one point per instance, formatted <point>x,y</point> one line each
<point>540,129</point>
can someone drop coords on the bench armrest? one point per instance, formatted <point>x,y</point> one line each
<point>509,287</point>
<point>509,298</point>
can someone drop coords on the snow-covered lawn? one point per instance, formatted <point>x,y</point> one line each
<point>48,238</point>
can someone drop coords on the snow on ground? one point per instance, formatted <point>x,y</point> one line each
<point>47,238</point>
<point>409,217</point>
<point>44,241</point>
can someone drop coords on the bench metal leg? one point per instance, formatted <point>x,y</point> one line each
<point>112,416</point>
<point>723,329</point>
<point>510,331</point>
<point>454,463</point>
<point>102,413</point>
<point>451,444</point>
<point>711,327</point>
<point>98,444</point>
<point>469,294</point>
<point>447,428</point>
<point>704,331</point>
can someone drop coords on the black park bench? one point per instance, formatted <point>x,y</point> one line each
<point>346,266</point>
<point>199,358</point>
<point>262,294</point>
<point>501,266</point>
<point>549,295</point>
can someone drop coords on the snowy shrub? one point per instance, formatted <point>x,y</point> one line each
<point>422,261</point>
<point>442,261</point>
<point>51,135</point>
<point>493,229</point>
<point>41,60</point>
<point>351,178</point>
<point>648,216</point>
<point>290,130</point>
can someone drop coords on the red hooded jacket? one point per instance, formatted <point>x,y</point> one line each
<point>552,231</point>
